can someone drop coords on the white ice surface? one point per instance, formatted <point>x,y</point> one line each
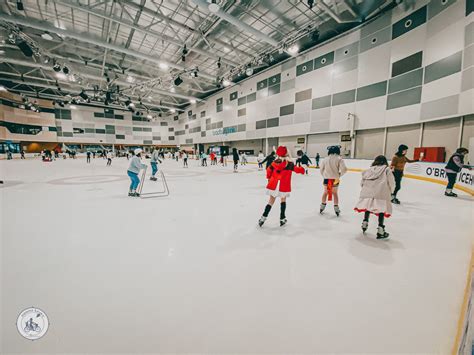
<point>193,272</point>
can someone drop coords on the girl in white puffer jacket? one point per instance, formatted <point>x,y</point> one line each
<point>375,197</point>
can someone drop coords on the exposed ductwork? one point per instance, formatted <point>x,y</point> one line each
<point>204,6</point>
<point>331,13</point>
<point>87,38</point>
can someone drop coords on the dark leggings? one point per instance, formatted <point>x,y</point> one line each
<point>451,180</point>
<point>381,217</point>
<point>398,175</point>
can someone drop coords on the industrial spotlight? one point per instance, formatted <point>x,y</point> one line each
<point>219,63</point>
<point>194,73</point>
<point>310,3</point>
<point>183,54</point>
<point>83,95</point>
<point>46,60</point>
<point>178,81</point>
<point>249,70</point>
<point>65,70</point>
<point>214,7</point>
<point>56,67</point>
<point>19,5</point>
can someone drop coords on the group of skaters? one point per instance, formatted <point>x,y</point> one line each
<point>379,184</point>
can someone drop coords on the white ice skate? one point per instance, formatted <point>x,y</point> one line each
<point>322,207</point>
<point>381,234</point>
<point>262,220</point>
<point>365,225</point>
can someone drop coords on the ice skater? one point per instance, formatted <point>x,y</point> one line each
<point>109,158</point>
<point>204,159</point>
<point>235,157</point>
<point>303,160</point>
<point>398,165</point>
<point>375,197</point>
<point>243,159</point>
<point>332,168</point>
<point>279,183</point>
<point>317,158</point>
<point>88,157</point>
<point>133,170</point>
<point>260,158</point>
<point>155,159</point>
<point>269,159</point>
<point>185,159</point>
<point>454,166</point>
<point>22,154</point>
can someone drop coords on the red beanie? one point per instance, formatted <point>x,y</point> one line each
<point>282,151</point>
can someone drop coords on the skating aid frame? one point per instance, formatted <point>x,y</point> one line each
<point>163,193</point>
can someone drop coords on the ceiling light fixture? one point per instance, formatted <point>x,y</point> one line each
<point>61,76</point>
<point>178,81</point>
<point>73,107</point>
<point>3,88</point>
<point>130,79</point>
<point>65,70</point>
<point>164,66</point>
<point>193,101</point>
<point>293,49</point>
<point>56,67</point>
<point>219,63</point>
<point>214,7</point>
<point>226,82</point>
<point>172,110</point>
<point>249,70</point>
<point>47,36</point>
<point>19,5</point>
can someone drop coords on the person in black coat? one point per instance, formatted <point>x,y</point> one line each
<point>303,160</point>
<point>235,157</point>
<point>269,160</point>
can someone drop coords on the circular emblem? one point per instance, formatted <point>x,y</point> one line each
<point>32,323</point>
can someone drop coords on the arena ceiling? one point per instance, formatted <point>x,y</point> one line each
<point>161,55</point>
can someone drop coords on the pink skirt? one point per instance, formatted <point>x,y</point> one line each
<point>374,206</point>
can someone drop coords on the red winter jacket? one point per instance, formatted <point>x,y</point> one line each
<point>281,172</point>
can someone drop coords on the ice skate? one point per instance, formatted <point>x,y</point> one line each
<point>322,207</point>
<point>450,194</point>
<point>153,178</point>
<point>337,210</point>
<point>381,234</point>
<point>395,200</point>
<point>130,193</point>
<point>262,220</point>
<point>365,225</point>
<point>283,222</point>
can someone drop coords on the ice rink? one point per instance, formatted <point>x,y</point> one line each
<point>192,272</point>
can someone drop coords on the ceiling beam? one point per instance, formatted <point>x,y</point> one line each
<point>40,25</point>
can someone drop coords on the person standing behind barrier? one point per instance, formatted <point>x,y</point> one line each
<point>109,158</point>
<point>454,166</point>
<point>155,159</point>
<point>88,156</point>
<point>398,165</point>
<point>133,170</point>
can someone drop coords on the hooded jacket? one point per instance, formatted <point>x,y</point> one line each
<point>377,183</point>
<point>280,172</point>
<point>332,167</point>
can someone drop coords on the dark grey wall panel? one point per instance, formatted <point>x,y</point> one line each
<point>404,98</point>
<point>324,60</point>
<point>443,67</point>
<point>287,110</point>
<point>272,122</point>
<point>120,136</point>
<point>233,96</point>
<point>409,22</point>
<point>261,124</point>
<point>303,95</point>
<point>469,6</point>
<point>262,84</point>
<point>375,39</point>
<point>344,97</point>
<point>437,6</point>
<point>406,81</point>
<point>251,97</point>
<point>321,102</point>
<point>273,90</point>
<point>371,91</point>
<point>446,106</point>
<point>407,64</point>
<point>242,112</point>
<point>304,68</point>
<point>241,127</point>
<point>275,79</point>
<point>242,100</point>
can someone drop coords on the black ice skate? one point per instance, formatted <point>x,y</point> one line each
<point>322,207</point>
<point>450,194</point>
<point>153,178</point>
<point>262,220</point>
<point>130,193</point>
<point>283,222</point>
<point>337,210</point>
<point>381,234</point>
<point>395,200</point>
<point>365,225</point>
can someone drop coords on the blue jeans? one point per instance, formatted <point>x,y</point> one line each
<point>154,168</point>
<point>134,178</point>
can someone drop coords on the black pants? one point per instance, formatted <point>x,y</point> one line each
<point>204,162</point>
<point>260,165</point>
<point>185,161</point>
<point>88,159</point>
<point>451,180</point>
<point>381,217</point>
<point>109,161</point>
<point>398,175</point>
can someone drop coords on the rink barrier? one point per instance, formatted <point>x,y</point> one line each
<point>463,343</point>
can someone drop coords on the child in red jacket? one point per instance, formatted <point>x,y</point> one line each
<point>279,183</point>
